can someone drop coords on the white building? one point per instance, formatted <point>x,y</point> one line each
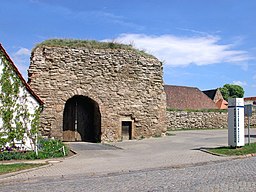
<point>19,105</point>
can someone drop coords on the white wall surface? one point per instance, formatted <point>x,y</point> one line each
<point>25,99</point>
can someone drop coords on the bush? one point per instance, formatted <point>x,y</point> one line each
<point>13,155</point>
<point>51,148</point>
<point>47,148</point>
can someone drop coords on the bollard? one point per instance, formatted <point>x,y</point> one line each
<point>236,122</point>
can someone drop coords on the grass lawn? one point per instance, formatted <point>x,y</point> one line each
<point>8,168</point>
<point>247,149</point>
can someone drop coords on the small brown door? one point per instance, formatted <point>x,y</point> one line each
<point>126,130</point>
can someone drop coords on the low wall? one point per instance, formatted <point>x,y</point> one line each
<point>252,120</point>
<point>201,120</point>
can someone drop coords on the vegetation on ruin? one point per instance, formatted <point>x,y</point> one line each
<point>198,110</point>
<point>75,43</point>
<point>193,129</point>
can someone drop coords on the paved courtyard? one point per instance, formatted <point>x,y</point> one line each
<point>171,163</point>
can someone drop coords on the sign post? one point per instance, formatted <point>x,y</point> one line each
<point>248,113</point>
<point>236,122</point>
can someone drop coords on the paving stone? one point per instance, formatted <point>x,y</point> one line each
<point>171,163</point>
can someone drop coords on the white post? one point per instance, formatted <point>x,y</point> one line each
<point>36,148</point>
<point>249,131</point>
<point>236,122</point>
<point>64,153</point>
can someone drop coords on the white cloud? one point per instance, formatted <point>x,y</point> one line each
<point>22,52</point>
<point>183,51</point>
<point>240,83</point>
<point>21,59</point>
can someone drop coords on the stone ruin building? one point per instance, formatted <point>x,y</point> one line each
<point>96,92</point>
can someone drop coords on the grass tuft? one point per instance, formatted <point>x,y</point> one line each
<point>198,110</point>
<point>8,168</point>
<point>75,43</point>
<point>231,151</point>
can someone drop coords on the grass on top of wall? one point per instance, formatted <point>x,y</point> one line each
<point>75,43</point>
<point>198,110</point>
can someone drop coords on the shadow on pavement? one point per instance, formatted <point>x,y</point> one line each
<point>83,146</point>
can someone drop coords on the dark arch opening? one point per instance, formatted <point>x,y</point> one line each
<point>82,120</point>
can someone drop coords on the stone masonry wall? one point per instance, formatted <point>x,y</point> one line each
<point>125,84</point>
<point>201,120</point>
<point>196,120</point>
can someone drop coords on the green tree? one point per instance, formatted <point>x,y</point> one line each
<point>233,91</point>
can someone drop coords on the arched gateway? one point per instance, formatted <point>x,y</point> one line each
<point>81,120</point>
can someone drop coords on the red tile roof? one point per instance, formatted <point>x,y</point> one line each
<point>181,97</point>
<point>222,104</point>
<point>15,69</point>
<point>250,98</point>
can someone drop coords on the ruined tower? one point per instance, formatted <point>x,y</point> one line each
<point>95,91</point>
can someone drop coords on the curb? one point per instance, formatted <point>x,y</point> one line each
<point>47,162</point>
<point>232,156</point>
<point>212,153</point>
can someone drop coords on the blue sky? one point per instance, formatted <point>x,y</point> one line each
<point>202,43</point>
